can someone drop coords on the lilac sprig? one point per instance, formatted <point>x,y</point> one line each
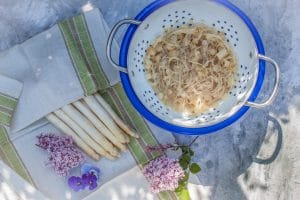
<point>64,159</point>
<point>164,173</point>
<point>52,143</point>
<point>158,148</point>
<point>63,154</point>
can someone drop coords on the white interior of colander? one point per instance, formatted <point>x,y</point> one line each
<point>187,12</point>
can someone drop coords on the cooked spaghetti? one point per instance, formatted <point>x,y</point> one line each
<point>191,68</point>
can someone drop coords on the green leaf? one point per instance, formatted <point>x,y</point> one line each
<point>184,149</point>
<point>186,157</point>
<point>183,194</point>
<point>195,168</point>
<point>191,152</point>
<point>183,163</point>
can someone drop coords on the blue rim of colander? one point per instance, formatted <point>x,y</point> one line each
<point>175,128</point>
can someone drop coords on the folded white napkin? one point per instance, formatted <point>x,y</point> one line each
<point>43,64</point>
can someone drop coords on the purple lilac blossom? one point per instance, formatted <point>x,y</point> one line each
<point>63,154</point>
<point>163,174</point>
<point>64,159</point>
<point>51,142</point>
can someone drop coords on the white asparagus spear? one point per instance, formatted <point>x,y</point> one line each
<point>84,109</point>
<point>86,125</point>
<point>67,130</point>
<point>127,139</point>
<point>84,136</point>
<point>115,117</point>
<point>94,105</point>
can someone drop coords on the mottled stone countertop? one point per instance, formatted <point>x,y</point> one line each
<point>256,158</point>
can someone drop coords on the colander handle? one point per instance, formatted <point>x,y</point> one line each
<point>110,40</point>
<point>276,84</point>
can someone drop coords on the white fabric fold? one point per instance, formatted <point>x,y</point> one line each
<point>10,87</point>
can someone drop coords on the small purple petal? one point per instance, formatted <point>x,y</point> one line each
<point>76,183</point>
<point>85,178</point>
<point>93,185</point>
<point>88,168</point>
<point>93,177</point>
<point>90,180</point>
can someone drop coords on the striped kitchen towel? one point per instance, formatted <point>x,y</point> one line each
<point>10,91</point>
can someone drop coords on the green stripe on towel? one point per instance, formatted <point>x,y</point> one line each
<point>6,110</point>
<point>10,156</point>
<point>90,52</point>
<point>5,118</point>
<point>82,52</point>
<point>8,102</point>
<point>76,57</point>
<point>7,105</point>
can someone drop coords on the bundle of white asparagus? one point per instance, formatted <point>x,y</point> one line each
<point>94,127</point>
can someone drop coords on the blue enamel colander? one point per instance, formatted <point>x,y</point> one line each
<point>242,35</point>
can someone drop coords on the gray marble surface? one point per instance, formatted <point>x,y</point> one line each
<point>257,157</point>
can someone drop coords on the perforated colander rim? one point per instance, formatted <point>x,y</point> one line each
<point>175,128</point>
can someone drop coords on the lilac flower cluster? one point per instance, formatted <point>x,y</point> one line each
<point>163,174</point>
<point>158,148</point>
<point>52,143</point>
<point>63,154</point>
<point>89,178</point>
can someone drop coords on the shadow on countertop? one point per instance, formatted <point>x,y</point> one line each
<point>224,156</point>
